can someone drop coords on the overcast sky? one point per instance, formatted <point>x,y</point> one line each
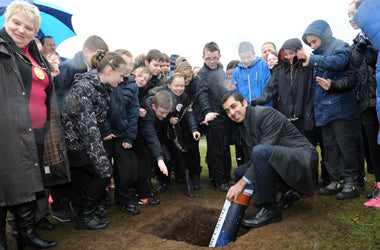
<point>183,27</point>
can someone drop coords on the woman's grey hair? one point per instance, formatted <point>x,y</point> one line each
<point>31,12</point>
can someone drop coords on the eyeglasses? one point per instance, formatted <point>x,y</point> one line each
<point>214,59</point>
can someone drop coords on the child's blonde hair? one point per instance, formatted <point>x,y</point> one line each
<point>141,70</point>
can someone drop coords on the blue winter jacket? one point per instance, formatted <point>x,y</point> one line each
<point>251,81</point>
<point>123,115</point>
<point>329,62</point>
<point>368,19</point>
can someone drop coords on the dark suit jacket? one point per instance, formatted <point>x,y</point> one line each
<point>294,158</point>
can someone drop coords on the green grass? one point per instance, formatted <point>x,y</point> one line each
<point>203,151</point>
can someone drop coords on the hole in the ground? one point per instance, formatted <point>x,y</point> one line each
<point>194,225</point>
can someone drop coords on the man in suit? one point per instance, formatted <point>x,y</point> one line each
<point>281,158</point>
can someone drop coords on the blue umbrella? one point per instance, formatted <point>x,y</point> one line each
<point>55,21</point>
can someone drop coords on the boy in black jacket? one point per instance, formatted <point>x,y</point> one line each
<point>148,147</point>
<point>210,90</point>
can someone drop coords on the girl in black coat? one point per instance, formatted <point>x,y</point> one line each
<point>181,130</point>
<point>183,67</point>
<point>84,113</point>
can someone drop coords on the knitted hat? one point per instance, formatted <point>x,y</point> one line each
<point>173,58</point>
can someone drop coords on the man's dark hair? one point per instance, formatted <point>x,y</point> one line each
<point>236,95</point>
<point>274,45</point>
<point>42,40</point>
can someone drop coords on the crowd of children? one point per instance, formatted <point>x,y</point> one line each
<point>127,120</point>
<point>147,122</point>
<point>157,115</point>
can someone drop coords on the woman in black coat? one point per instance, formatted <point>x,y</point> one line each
<point>26,120</point>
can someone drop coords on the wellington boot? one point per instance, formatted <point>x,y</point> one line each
<point>91,222</point>
<point>196,181</point>
<point>24,220</point>
<point>188,188</point>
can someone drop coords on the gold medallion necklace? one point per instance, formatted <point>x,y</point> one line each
<point>37,68</point>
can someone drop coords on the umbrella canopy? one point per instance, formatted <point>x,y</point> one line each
<point>55,21</point>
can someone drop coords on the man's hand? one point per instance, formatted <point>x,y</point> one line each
<point>236,190</point>
<point>162,167</point>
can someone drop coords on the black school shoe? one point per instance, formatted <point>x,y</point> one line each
<point>349,191</point>
<point>149,201</point>
<point>333,188</point>
<point>263,217</point>
<point>44,224</point>
<point>162,188</point>
<point>131,209</point>
<point>288,198</point>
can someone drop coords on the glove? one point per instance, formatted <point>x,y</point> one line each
<point>361,46</point>
<point>368,51</point>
